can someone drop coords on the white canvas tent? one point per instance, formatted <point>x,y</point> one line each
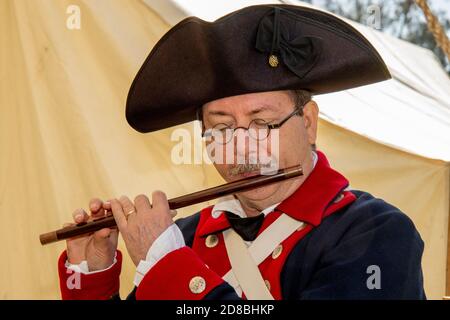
<point>64,139</point>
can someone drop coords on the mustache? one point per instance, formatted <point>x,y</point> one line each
<point>247,168</point>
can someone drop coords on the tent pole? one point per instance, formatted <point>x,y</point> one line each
<point>447,289</point>
<point>447,277</point>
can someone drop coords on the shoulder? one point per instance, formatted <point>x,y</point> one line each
<point>366,222</point>
<point>372,218</point>
<point>373,212</point>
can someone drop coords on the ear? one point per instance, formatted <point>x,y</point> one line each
<point>310,119</point>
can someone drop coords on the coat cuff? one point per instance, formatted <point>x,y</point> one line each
<point>95,286</point>
<point>179,275</point>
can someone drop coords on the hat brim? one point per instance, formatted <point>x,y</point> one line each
<point>198,61</point>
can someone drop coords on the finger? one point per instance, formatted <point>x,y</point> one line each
<point>95,204</point>
<point>159,200</point>
<point>101,238</point>
<point>119,216</point>
<point>142,203</point>
<point>114,234</point>
<point>102,234</point>
<point>79,215</point>
<point>109,213</point>
<point>96,207</point>
<point>114,231</point>
<point>107,205</point>
<point>127,205</point>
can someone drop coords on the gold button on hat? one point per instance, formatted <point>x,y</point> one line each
<point>211,241</point>
<point>277,251</point>
<point>197,284</point>
<point>273,61</point>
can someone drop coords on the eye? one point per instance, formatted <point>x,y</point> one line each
<point>221,126</point>
<point>258,123</point>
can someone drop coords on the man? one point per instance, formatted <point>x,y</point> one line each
<point>309,237</point>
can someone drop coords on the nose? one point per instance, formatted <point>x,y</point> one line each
<point>246,149</point>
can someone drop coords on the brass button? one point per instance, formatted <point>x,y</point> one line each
<point>273,61</point>
<point>267,284</point>
<point>197,284</point>
<point>339,198</point>
<point>277,251</point>
<point>211,241</point>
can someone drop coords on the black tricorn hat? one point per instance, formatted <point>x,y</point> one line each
<point>255,49</point>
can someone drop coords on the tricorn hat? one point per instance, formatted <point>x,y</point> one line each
<point>255,49</point>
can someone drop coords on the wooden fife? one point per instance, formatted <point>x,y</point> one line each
<point>179,202</point>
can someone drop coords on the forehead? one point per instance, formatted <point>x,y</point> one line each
<point>272,101</point>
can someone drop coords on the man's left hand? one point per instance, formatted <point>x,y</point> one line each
<point>141,223</point>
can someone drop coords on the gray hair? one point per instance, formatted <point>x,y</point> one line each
<point>300,98</point>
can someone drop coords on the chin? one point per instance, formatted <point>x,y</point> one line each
<point>259,193</point>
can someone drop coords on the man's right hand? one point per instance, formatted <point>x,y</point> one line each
<point>98,248</point>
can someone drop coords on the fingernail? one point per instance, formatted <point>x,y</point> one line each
<point>78,217</point>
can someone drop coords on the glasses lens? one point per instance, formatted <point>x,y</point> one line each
<point>258,129</point>
<point>221,133</point>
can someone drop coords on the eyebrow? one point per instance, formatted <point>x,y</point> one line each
<point>263,107</point>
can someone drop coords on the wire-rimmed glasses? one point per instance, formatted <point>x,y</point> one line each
<point>258,129</point>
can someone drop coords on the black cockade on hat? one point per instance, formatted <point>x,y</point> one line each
<point>298,52</point>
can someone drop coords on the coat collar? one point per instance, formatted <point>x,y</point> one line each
<point>308,203</point>
<point>233,205</point>
<point>317,192</point>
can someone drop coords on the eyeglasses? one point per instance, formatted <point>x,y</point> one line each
<point>258,129</point>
